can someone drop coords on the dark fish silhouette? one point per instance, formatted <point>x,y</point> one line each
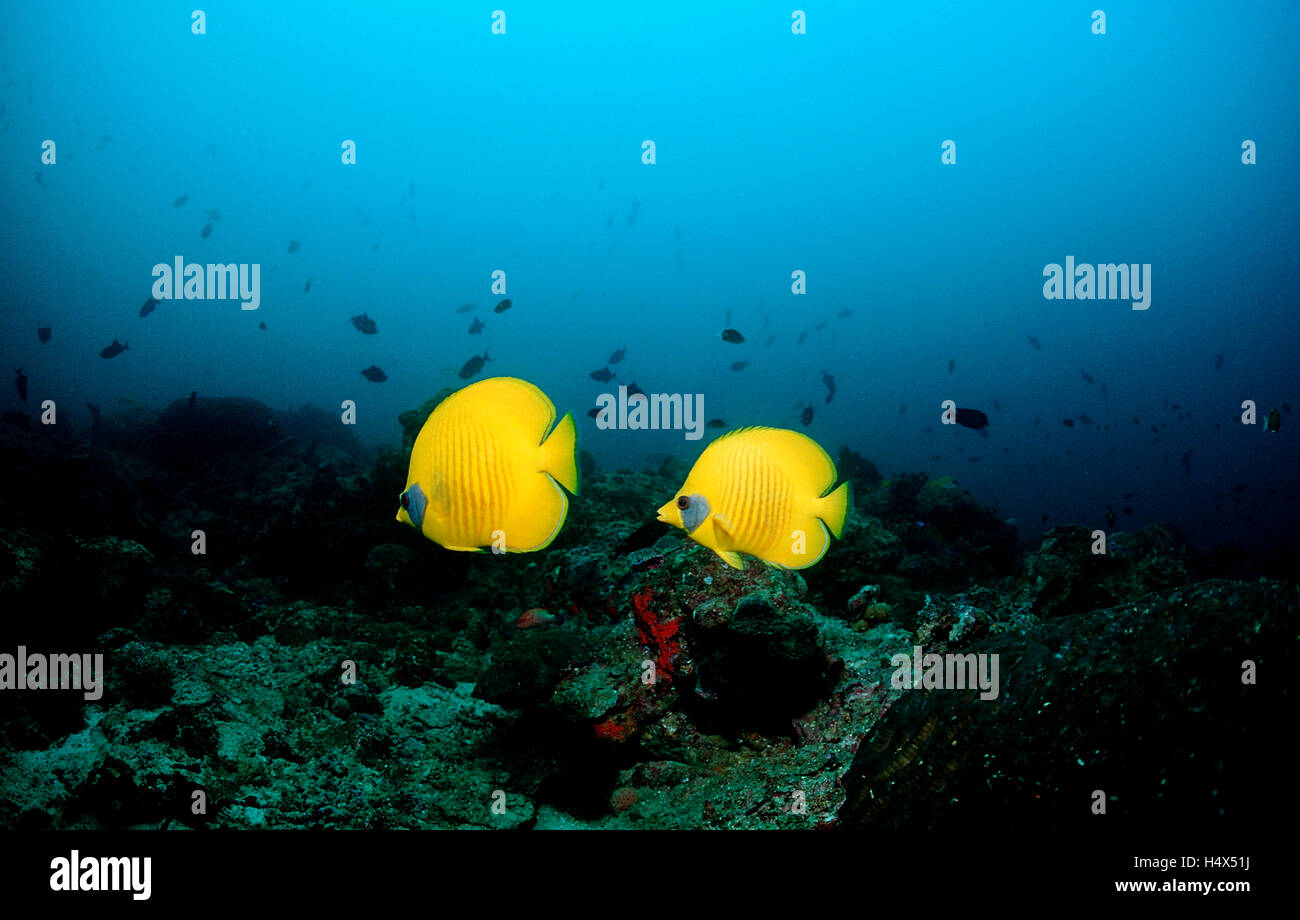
<point>733,336</point>
<point>43,333</point>
<point>715,423</point>
<point>149,306</point>
<point>1186,463</point>
<point>20,384</point>
<point>112,351</point>
<point>593,412</point>
<point>207,231</point>
<point>295,245</point>
<point>604,375</point>
<point>902,408</point>
<point>474,365</point>
<point>633,389</point>
<point>94,412</point>
<point>213,215</point>
<point>1273,423</point>
<point>739,365</point>
<point>503,306</point>
<point>972,418</point>
<point>952,362</point>
<point>1067,422</point>
<point>1084,419</point>
<point>770,340</point>
<point>803,337</point>
<point>365,325</point>
<point>477,327</point>
<point>1087,378</point>
<point>830,385</point>
<point>306,287</point>
<point>374,374</point>
<point>1105,394</point>
<point>1218,361</point>
<point>465,308</point>
<point>844,314</point>
<point>180,202</point>
<point>261,325</point>
<point>806,416</point>
<point>1034,342</point>
<point>617,356</point>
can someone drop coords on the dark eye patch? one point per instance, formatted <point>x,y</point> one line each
<point>414,502</point>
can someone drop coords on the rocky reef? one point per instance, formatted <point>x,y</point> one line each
<point>281,651</point>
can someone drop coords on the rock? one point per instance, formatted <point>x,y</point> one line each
<point>119,569</point>
<point>1092,701</point>
<point>310,425</point>
<point>191,432</point>
<point>188,692</point>
<point>1065,576</point>
<point>20,557</point>
<point>758,663</point>
<point>526,668</point>
<point>396,568</point>
<point>861,471</point>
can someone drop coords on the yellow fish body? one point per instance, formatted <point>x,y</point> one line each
<point>762,491</point>
<point>487,470</point>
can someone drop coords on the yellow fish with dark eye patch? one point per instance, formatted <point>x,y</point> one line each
<point>487,469</point>
<point>762,491</point>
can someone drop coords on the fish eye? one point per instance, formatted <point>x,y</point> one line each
<point>683,502</point>
<point>406,501</point>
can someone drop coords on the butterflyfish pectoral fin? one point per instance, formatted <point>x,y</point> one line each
<point>731,558</point>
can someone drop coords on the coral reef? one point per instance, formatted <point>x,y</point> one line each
<point>274,640</point>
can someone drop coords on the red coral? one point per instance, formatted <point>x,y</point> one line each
<point>613,729</point>
<point>657,633</point>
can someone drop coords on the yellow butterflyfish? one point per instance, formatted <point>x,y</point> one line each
<point>487,469</point>
<point>762,491</point>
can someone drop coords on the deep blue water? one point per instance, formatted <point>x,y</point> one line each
<point>775,152</point>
